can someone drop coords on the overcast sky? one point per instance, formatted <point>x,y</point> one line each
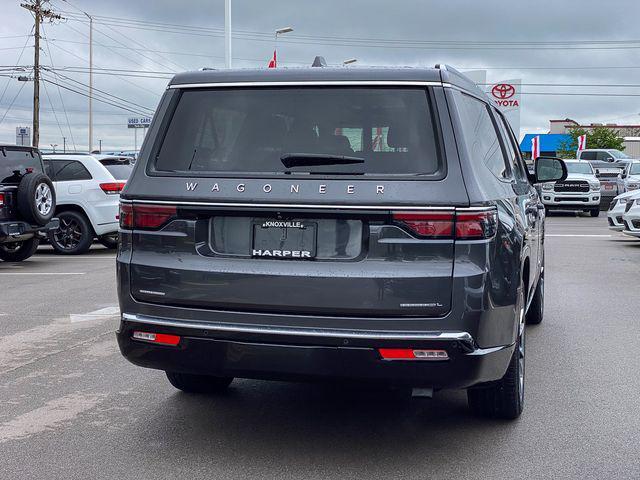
<point>327,28</point>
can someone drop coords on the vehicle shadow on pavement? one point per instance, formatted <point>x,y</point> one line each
<point>258,419</point>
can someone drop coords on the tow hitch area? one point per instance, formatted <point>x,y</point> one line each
<point>425,392</point>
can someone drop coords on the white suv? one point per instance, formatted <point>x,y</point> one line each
<point>631,217</point>
<point>88,192</point>
<point>617,209</point>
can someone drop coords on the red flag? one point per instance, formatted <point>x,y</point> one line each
<point>273,63</point>
<point>535,147</point>
<point>582,142</point>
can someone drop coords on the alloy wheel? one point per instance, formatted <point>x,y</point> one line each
<point>69,235</point>
<point>44,199</point>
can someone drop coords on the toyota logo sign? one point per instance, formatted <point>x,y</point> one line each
<point>503,95</point>
<point>503,91</point>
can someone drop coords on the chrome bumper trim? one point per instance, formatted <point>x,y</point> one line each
<point>305,332</point>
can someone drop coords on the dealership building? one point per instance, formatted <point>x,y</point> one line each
<point>558,136</point>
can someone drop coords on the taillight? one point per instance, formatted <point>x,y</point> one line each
<point>476,225</point>
<point>462,225</point>
<point>112,188</point>
<point>427,224</point>
<point>1,200</point>
<point>126,216</point>
<point>147,217</point>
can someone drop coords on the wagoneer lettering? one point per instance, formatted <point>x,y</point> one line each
<point>314,274</point>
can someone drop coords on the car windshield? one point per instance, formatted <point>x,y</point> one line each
<point>618,154</point>
<point>579,167</point>
<point>635,169</point>
<point>251,130</point>
<point>14,163</point>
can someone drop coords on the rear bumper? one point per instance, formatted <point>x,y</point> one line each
<point>311,354</point>
<point>13,231</point>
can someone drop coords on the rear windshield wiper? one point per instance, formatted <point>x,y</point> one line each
<point>315,159</point>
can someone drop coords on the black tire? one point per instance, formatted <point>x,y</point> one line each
<point>18,251</point>
<point>198,383</point>
<point>595,212</point>
<point>36,199</point>
<point>74,236</point>
<point>536,309</point>
<point>505,398</point>
<point>109,241</point>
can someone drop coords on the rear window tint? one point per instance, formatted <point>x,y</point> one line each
<point>20,161</point>
<point>249,130</point>
<point>120,172</point>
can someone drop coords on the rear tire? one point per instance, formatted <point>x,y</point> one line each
<point>595,212</point>
<point>536,309</point>
<point>74,236</point>
<point>18,251</point>
<point>198,383</point>
<point>504,398</point>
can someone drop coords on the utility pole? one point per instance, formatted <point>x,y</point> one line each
<point>90,81</point>
<point>64,144</point>
<point>36,7</point>
<point>227,34</point>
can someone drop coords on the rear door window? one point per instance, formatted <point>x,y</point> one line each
<point>15,163</point>
<point>480,136</point>
<point>249,130</point>
<point>69,170</point>
<point>588,155</point>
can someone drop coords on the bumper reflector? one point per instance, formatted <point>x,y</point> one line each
<point>158,338</point>
<point>411,354</point>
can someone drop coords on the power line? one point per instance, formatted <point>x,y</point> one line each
<point>12,101</point>
<point>64,109</point>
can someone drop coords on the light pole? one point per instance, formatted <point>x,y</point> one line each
<point>64,144</point>
<point>100,149</point>
<point>279,31</point>
<point>349,61</point>
<point>53,146</point>
<point>227,33</point>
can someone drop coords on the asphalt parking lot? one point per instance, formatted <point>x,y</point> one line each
<point>71,407</point>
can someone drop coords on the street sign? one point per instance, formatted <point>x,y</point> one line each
<point>139,122</point>
<point>23,136</point>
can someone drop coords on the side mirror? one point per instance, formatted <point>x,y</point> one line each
<point>550,169</point>
<point>623,175</point>
<point>597,171</point>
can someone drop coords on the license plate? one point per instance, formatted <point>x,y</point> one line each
<point>608,187</point>
<point>284,239</point>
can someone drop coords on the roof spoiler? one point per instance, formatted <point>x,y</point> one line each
<point>451,75</point>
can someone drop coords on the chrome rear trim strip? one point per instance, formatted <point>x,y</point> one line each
<point>290,205</point>
<point>301,332</point>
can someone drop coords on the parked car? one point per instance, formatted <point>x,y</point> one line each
<point>631,217</point>
<point>579,192</point>
<point>617,209</point>
<point>88,191</point>
<point>27,202</point>
<point>602,154</point>
<point>356,224</point>
<point>630,176</point>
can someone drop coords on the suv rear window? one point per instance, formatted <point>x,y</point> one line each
<point>21,161</point>
<point>249,130</point>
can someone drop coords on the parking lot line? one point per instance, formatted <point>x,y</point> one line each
<point>574,235</point>
<point>42,273</point>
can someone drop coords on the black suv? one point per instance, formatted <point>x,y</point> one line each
<point>343,224</point>
<point>27,202</point>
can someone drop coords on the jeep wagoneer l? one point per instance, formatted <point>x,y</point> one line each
<point>361,224</point>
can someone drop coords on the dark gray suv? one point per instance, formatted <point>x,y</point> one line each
<point>333,224</point>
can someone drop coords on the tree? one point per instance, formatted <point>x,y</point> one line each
<point>598,137</point>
